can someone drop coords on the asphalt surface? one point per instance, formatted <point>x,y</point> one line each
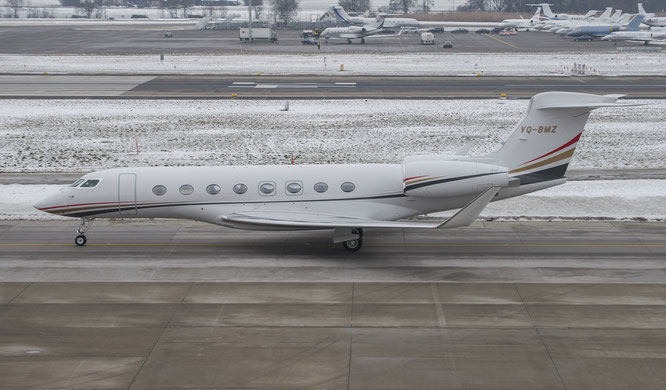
<point>189,305</point>
<point>318,87</point>
<point>150,39</point>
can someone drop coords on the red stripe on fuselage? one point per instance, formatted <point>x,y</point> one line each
<point>415,177</point>
<point>573,141</point>
<point>82,204</point>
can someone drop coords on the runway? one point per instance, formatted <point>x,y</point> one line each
<point>556,305</point>
<point>318,87</point>
<point>555,252</point>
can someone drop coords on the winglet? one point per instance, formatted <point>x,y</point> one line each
<point>467,215</point>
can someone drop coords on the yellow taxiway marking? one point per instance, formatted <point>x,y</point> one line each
<point>375,245</point>
<point>499,40</point>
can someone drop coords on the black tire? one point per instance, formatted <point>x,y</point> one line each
<point>353,245</point>
<point>80,240</point>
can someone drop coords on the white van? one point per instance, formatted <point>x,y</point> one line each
<point>427,38</point>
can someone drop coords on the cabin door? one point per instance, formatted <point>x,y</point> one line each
<point>127,193</point>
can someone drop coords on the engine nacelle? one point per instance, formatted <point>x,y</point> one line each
<point>442,179</point>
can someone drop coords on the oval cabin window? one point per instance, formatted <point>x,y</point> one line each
<point>321,187</point>
<point>186,189</point>
<point>240,188</point>
<point>347,187</point>
<point>213,189</point>
<point>267,188</point>
<point>159,190</point>
<point>294,188</point>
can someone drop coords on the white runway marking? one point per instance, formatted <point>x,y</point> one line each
<point>253,85</point>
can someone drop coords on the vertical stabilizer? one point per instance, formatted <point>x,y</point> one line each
<point>543,143</point>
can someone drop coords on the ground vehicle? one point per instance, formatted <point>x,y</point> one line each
<point>460,31</point>
<point>584,39</point>
<point>309,41</point>
<point>447,45</point>
<point>168,34</point>
<point>436,30</point>
<point>427,38</point>
<point>508,32</point>
<point>482,31</point>
<point>263,34</point>
<point>311,33</point>
<point>410,30</point>
<point>496,30</point>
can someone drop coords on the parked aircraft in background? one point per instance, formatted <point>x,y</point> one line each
<point>550,15</point>
<point>650,19</point>
<point>640,36</point>
<point>354,32</point>
<point>603,30</point>
<point>342,15</point>
<point>604,19</point>
<point>395,23</point>
<point>522,23</point>
<point>343,198</point>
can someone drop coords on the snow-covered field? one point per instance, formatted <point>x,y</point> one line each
<point>86,135</point>
<point>603,199</point>
<point>470,64</point>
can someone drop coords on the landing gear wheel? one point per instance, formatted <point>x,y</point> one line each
<point>80,240</point>
<point>353,245</point>
<point>349,41</point>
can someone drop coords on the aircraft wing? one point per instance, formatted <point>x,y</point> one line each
<point>314,221</point>
<point>297,220</point>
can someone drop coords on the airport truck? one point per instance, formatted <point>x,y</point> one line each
<point>258,34</point>
<point>427,38</point>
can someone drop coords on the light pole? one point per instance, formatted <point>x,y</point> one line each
<point>249,8</point>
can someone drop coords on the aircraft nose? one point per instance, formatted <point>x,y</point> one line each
<point>48,204</point>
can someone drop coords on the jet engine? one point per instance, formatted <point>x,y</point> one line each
<point>440,179</point>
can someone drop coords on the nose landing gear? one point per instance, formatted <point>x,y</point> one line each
<point>81,239</point>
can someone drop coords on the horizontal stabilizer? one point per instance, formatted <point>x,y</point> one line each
<point>584,101</point>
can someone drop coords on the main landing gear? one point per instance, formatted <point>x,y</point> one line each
<point>354,244</point>
<point>81,239</point>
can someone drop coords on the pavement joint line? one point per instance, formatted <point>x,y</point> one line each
<point>351,336</point>
<point>499,40</point>
<point>372,245</point>
<point>539,335</point>
<point>441,320</point>
<point>191,284</point>
<point>19,294</point>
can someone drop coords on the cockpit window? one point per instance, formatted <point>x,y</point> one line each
<point>90,183</point>
<point>76,183</point>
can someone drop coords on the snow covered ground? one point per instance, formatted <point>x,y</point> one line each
<point>603,199</point>
<point>469,64</point>
<point>87,135</point>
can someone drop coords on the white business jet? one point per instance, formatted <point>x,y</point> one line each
<point>637,36</point>
<point>343,198</point>
<point>522,23</point>
<point>354,32</point>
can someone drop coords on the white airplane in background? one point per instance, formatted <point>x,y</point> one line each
<point>342,15</point>
<point>566,26</point>
<point>650,19</point>
<point>343,198</point>
<point>393,23</point>
<point>640,36</point>
<point>549,14</point>
<point>522,23</point>
<point>354,32</point>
